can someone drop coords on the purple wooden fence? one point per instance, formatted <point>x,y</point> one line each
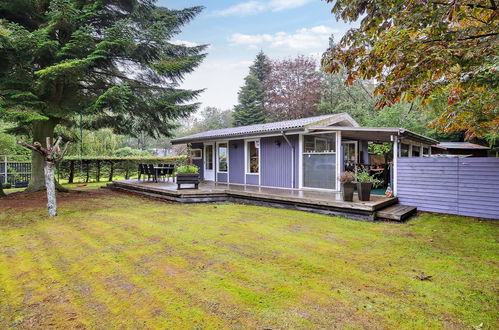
<point>463,186</point>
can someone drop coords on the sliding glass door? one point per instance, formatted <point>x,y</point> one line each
<point>319,161</point>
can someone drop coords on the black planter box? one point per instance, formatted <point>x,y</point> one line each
<point>21,184</point>
<point>364,191</point>
<point>187,178</point>
<point>6,186</point>
<point>347,191</point>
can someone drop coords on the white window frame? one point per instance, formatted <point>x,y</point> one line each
<point>337,153</point>
<point>322,140</point>
<point>246,157</point>
<point>356,143</point>
<point>218,157</point>
<point>196,150</point>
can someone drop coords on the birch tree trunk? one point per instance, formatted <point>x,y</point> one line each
<point>51,154</point>
<point>49,169</point>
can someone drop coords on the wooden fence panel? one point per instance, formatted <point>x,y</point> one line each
<point>463,186</point>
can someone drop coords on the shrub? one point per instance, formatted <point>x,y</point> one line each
<point>363,176</point>
<point>347,177</point>
<point>184,169</point>
<point>127,152</point>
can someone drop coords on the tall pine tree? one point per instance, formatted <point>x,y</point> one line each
<point>109,62</point>
<point>250,108</point>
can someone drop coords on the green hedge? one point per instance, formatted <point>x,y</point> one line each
<point>96,168</point>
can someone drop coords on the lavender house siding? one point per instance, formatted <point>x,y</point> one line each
<point>199,162</point>
<point>236,161</point>
<point>276,161</point>
<point>252,179</point>
<point>221,177</point>
<point>463,186</point>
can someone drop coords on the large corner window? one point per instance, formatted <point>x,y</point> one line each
<point>253,157</point>
<point>222,157</point>
<point>319,161</point>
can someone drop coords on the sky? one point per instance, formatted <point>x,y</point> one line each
<point>237,30</point>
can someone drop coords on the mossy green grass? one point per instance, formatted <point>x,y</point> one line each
<point>120,261</point>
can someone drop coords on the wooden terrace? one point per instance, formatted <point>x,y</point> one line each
<point>323,202</point>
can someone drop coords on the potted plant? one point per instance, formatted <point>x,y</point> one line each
<point>347,186</point>
<point>188,174</point>
<point>365,183</point>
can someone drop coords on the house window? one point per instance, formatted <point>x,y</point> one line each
<point>425,151</point>
<point>404,150</point>
<point>415,151</point>
<point>319,161</point>
<point>196,154</point>
<point>319,144</point>
<point>222,157</point>
<point>253,157</point>
<point>209,157</point>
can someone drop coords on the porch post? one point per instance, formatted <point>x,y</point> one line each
<point>395,161</point>
<point>338,160</point>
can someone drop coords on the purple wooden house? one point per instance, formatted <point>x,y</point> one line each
<point>308,153</point>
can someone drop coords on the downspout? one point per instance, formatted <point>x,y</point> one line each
<point>292,158</point>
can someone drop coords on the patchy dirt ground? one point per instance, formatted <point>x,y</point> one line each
<point>111,260</point>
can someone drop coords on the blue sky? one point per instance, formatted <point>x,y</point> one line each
<point>236,30</point>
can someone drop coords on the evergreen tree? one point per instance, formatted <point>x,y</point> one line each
<point>108,61</point>
<point>250,108</point>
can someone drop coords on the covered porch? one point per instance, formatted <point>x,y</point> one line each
<point>324,202</point>
<point>358,146</point>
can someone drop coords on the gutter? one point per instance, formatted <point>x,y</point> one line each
<point>293,153</point>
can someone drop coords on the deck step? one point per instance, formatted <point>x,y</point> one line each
<point>396,212</point>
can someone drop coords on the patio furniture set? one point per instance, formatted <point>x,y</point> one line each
<point>155,172</point>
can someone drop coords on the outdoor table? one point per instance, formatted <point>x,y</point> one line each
<point>157,170</point>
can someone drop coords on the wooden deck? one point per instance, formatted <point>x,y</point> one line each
<point>300,199</point>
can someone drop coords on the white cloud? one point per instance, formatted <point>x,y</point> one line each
<point>244,8</point>
<point>305,39</point>
<point>255,7</point>
<point>185,43</point>
<point>278,5</point>
<point>221,78</point>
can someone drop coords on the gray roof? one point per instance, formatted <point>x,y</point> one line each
<point>382,134</point>
<point>460,145</point>
<point>294,124</point>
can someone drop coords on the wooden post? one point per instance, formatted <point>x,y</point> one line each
<point>97,176</point>
<point>87,163</point>
<point>52,154</point>
<point>71,171</point>
<point>111,171</point>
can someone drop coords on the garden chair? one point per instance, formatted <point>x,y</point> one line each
<point>170,171</point>
<point>152,172</point>
<point>142,170</point>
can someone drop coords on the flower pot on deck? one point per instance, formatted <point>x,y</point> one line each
<point>347,191</point>
<point>364,190</point>
<point>187,178</point>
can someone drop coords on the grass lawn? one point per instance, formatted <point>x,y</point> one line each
<point>112,260</point>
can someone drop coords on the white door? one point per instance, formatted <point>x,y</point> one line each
<point>350,155</point>
<point>209,163</point>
